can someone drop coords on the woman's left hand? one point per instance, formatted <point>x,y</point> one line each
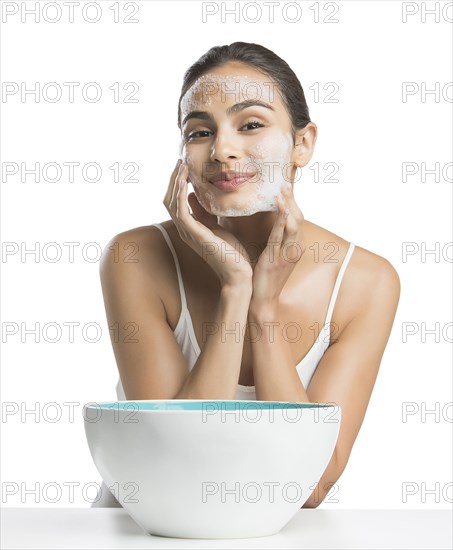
<point>279,258</point>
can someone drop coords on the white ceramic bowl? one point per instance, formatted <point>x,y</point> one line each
<point>211,469</point>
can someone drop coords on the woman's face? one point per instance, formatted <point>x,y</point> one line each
<point>221,133</point>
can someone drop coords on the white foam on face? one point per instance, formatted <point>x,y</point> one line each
<point>269,157</point>
<point>239,87</point>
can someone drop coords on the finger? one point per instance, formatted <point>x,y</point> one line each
<point>182,208</point>
<point>171,193</point>
<point>188,226</point>
<point>277,232</point>
<point>175,187</point>
<point>171,184</point>
<point>288,197</point>
<point>183,215</point>
<point>294,222</point>
<point>295,212</point>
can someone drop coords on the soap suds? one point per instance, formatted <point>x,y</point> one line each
<point>234,87</point>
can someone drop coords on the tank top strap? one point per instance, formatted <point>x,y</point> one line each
<point>182,291</point>
<point>336,288</point>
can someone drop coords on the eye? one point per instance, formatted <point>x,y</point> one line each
<point>197,134</point>
<point>253,122</point>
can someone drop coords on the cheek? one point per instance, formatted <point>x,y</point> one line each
<point>194,166</point>
<point>262,149</point>
<point>272,156</point>
<point>273,148</point>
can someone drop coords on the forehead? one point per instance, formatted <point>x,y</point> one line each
<point>229,85</point>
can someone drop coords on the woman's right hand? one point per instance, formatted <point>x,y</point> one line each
<point>218,247</point>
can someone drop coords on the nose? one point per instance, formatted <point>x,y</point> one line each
<point>224,148</point>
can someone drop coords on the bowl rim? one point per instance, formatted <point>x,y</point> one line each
<point>194,405</point>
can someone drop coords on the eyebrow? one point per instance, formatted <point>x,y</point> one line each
<point>236,108</point>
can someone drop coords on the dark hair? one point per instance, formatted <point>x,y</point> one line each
<point>263,60</point>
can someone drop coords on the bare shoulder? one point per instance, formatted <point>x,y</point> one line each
<point>372,274</point>
<point>135,250</point>
<point>369,276</point>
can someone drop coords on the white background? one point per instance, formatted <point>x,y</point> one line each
<point>369,132</point>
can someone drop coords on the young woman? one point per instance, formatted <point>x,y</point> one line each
<point>244,298</point>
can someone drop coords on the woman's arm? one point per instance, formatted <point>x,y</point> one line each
<point>216,372</point>
<point>149,359</point>
<point>274,374</point>
<point>347,372</point>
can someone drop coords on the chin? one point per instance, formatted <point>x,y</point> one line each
<point>261,203</point>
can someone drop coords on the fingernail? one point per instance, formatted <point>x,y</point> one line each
<point>182,181</point>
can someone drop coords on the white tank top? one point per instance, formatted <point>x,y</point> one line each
<point>185,334</point>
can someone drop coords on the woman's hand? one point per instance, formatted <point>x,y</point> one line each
<point>200,230</point>
<point>279,258</point>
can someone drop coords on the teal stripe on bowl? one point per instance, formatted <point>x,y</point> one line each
<point>187,405</point>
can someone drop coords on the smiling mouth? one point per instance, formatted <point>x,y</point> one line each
<point>230,180</point>
<point>231,184</point>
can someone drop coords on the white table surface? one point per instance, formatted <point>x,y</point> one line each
<point>109,528</point>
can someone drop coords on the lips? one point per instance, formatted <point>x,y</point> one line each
<point>229,181</point>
